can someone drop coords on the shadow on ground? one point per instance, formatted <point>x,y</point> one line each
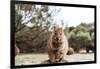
<point>48,62</point>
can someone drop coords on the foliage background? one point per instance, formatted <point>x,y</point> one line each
<point>33,25</point>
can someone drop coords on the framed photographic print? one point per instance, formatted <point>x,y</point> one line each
<point>52,34</point>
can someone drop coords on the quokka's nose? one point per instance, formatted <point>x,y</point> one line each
<point>57,38</point>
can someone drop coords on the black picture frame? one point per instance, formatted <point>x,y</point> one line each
<point>12,60</point>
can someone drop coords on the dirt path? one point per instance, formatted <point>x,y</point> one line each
<point>27,59</point>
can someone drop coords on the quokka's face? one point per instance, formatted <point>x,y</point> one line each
<point>58,35</point>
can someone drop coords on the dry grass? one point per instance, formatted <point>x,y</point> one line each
<point>28,59</point>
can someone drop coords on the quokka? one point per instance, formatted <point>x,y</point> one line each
<point>57,45</point>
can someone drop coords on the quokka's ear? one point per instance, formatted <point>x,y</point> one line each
<point>55,26</point>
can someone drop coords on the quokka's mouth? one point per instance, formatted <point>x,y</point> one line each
<point>57,42</point>
<point>60,42</point>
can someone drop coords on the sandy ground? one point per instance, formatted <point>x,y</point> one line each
<point>28,59</point>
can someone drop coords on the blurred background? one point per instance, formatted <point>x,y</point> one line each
<point>34,23</point>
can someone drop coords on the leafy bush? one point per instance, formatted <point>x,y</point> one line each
<point>81,37</point>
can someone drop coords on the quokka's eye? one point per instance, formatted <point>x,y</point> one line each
<point>60,33</point>
<point>55,33</point>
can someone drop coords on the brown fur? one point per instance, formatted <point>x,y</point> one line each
<point>70,51</point>
<point>57,45</point>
